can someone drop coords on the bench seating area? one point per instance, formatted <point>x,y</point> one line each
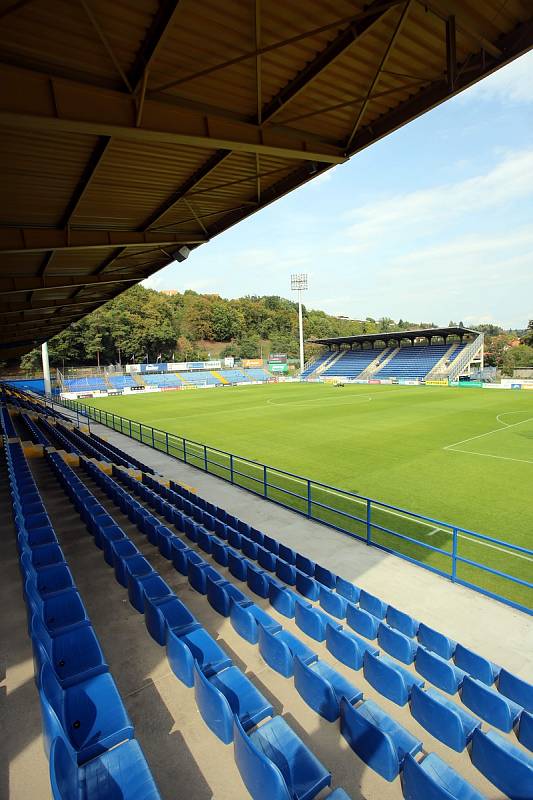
<point>228,562</point>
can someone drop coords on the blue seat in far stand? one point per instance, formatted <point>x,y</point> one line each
<point>275,764</point>
<point>120,773</point>
<point>508,767</point>
<point>376,738</point>
<point>443,718</point>
<point>433,779</point>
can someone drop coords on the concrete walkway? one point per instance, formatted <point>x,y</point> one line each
<point>467,616</point>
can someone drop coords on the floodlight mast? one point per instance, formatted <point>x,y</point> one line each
<point>299,284</point>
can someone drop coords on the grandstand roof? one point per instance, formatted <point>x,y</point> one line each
<point>457,330</point>
<point>130,129</point>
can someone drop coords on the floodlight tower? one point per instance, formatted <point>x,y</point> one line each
<point>299,284</point>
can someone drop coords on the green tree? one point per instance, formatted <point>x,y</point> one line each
<point>528,338</point>
<point>250,346</point>
<point>517,358</point>
<point>30,363</point>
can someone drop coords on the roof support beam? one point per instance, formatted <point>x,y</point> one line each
<point>13,307</point>
<point>35,240</point>
<point>161,24</point>
<point>77,108</point>
<point>11,284</point>
<point>85,179</point>
<point>451,53</point>
<point>325,58</point>
<point>205,170</point>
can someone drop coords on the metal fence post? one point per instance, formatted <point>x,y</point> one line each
<point>153,438</point>
<point>264,481</point>
<point>368,522</point>
<point>184,451</point>
<point>454,555</point>
<point>205,458</point>
<point>231,467</point>
<point>309,500</point>
<point>166,434</point>
<point>130,427</point>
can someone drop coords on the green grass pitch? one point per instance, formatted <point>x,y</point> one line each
<point>461,456</point>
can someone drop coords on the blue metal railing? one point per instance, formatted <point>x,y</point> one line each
<point>389,528</point>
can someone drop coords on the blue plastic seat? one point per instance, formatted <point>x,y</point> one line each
<point>243,527</point>
<point>313,621</point>
<point>372,604</point>
<point>282,599</point>
<point>325,576</point>
<point>256,536</point>
<point>258,580</point>
<point>195,646</point>
<point>266,559</point>
<point>332,602</point>
<point>51,580</point>
<point>389,678</point>
<point>182,558</point>
<point>141,576</point>
<point>348,589</point>
<point>221,529</point>
<point>322,687</point>
<point>225,694</point>
<point>90,716</point>
<point>525,729</point>
<point>477,666</point>
<point>361,621</point>
<point>275,764</point>
<point>286,553</point>
<point>307,586</point>
<point>278,648</point>
<point>433,779</point>
<point>402,622</point>
<point>286,572</point>
<point>249,548</point>
<point>167,612</point>
<point>198,574</point>
<point>62,612</point>
<point>245,618</point>
<point>338,794</point>
<point>205,540</point>
<point>234,538</point>
<point>516,689</point>
<point>440,672</point>
<point>121,551</point>
<point>121,773</point>
<point>237,565</point>
<point>271,544</point>
<point>347,648</point>
<point>305,564</point>
<point>376,738</point>
<point>435,641</point>
<point>489,704</point>
<point>221,593</point>
<point>508,767</point>
<point>396,644</point>
<point>108,537</point>
<point>219,551</point>
<point>74,655</point>
<point>443,718</point>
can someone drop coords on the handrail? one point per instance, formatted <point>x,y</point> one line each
<point>390,528</point>
<point>466,356</point>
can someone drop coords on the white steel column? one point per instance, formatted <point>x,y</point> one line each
<point>46,369</point>
<point>299,284</point>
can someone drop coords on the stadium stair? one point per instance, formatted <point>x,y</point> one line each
<point>137,378</point>
<point>219,377</point>
<point>385,355</point>
<point>441,367</point>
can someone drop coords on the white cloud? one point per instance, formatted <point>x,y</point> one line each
<point>425,211</point>
<point>510,84</point>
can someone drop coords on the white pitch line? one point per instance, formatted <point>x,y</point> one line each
<point>488,433</point>
<point>491,455</point>
<point>506,414</point>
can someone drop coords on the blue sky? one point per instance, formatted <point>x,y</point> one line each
<point>434,222</point>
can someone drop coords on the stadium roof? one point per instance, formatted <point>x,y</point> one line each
<point>128,130</point>
<point>385,336</point>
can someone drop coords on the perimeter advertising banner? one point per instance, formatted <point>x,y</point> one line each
<point>252,363</point>
<point>277,367</point>
<point>437,383</point>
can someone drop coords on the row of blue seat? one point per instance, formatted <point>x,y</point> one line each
<point>88,735</point>
<point>321,686</point>
<point>37,436</point>
<point>273,761</point>
<point>7,423</point>
<point>95,439</point>
<point>441,717</point>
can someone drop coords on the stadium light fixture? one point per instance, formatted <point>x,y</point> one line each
<point>299,284</point>
<point>181,254</point>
